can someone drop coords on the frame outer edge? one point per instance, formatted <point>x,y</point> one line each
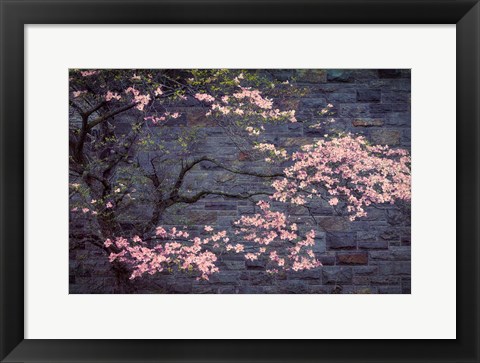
<point>11,299</point>
<point>468,180</point>
<point>11,179</point>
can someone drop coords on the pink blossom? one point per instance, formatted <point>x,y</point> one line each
<point>145,260</point>
<point>141,100</point>
<point>160,231</point>
<point>136,239</point>
<point>88,73</point>
<point>268,229</point>
<point>78,93</point>
<point>238,248</point>
<point>333,201</point>
<point>251,256</point>
<point>112,96</point>
<point>204,97</point>
<point>349,169</point>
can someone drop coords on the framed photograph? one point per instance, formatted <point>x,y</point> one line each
<point>201,181</point>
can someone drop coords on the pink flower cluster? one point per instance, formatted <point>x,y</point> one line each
<point>85,211</point>
<point>225,110</point>
<point>248,102</point>
<point>157,119</point>
<point>91,210</point>
<point>346,168</point>
<point>270,230</point>
<point>78,93</point>
<point>254,97</point>
<point>175,249</point>
<point>141,100</point>
<point>252,131</point>
<point>272,151</point>
<point>88,73</point>
<point>204,97</point>
<point>277,114</point>
<point>112,96</point>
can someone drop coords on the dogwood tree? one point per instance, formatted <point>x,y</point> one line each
<point>109,180</point>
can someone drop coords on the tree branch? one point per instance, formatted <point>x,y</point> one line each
<point>242,172</point>
<point>81,141</point>
<point>96,108</point>
<point>78,108</point>
<point>105,117</point>
<point>195,198</point>
<point>187,167</point>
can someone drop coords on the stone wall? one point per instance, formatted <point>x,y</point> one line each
<point>369,255</point>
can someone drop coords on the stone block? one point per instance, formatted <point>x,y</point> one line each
<point>368,95</point>
<point>313,274</point>
<point>353,110</point>
<point>390,234</point>
<point>389,73</point>
<point>315,103</point>
<point>395,268</point>
<point>383,109</point>
<point>333,224</point>
<point>375,245</point>
<point>399,119</point>
<point>311,76</point>
<point>255,265</point>
<point>395,96</point>
<point>344,96</point>
<point>225,278</point>
<point>340,75</point>
<point>365,270</point>
<point>352,258</point>
<point>337,275</point>
<point>340,240</point>
<point>289,103</point>
<point>406,240</point>
<point>195,117</point>
<point>297,287</point>
<point>386,137</point>
<point>234,265</point>
<point>395,253</point>
<point>220,206</point>
<point>326,260</point>
<point>367,122</point>
<point>320,245</point>
<point>257,277</point>
<point>363,75</point>
<point>366,236</point>
<point>297,141</point>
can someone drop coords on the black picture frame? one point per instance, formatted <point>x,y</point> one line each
<point>15,14</point>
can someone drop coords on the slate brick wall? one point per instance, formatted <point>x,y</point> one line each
<point>369,255</point>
